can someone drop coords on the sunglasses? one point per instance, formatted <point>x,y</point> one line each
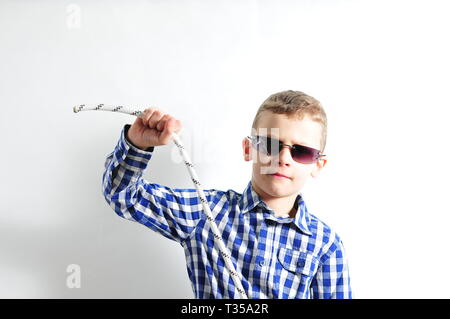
<point>271,146</point>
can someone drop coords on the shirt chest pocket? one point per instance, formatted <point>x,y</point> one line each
<point>296,272</point>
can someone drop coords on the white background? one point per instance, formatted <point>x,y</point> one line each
<point>380,68</point>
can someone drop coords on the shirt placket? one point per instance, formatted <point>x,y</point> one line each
<point>265,252</point>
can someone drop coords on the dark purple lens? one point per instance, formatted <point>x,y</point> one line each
<point>301,154</point>
<point>304,154</point>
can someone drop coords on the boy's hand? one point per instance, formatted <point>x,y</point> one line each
<point>152,129</point>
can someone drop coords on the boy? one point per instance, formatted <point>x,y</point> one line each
<point>279,249</point>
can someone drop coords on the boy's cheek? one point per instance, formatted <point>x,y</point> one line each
<point>260,159</point>
<point>265,167</point>
<point>265,170</point>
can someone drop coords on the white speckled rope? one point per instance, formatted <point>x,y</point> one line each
<point>176,139</point>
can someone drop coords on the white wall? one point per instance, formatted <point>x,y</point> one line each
<point>380,68</point>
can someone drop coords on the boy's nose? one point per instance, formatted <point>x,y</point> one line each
<point>285,156</point>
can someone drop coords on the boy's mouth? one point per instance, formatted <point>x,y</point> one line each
<point>278,175</point>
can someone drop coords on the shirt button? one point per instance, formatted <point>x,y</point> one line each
<point>262,262</point>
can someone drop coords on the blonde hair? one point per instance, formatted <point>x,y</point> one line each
<point>295,103</point>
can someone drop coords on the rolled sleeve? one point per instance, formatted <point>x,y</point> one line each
<point>172,212</point>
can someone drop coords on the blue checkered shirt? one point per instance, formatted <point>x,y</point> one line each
<point>277,257</point>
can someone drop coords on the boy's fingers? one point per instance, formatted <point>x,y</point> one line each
<point>173,125</point>
<point>165,136</point>
<point>147,114</point>
<point>166,124</point>
<point>162,122</point>
<point>169,128</point>
<point>155,118</point>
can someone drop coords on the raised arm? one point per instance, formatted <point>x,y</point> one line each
<point>172,212</point>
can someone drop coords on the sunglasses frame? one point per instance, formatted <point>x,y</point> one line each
<point>255,142</point>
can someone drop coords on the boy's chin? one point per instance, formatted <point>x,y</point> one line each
<point>278,193</point>
<point>277,188</point>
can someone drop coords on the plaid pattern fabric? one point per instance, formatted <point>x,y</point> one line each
<point>277,257</point>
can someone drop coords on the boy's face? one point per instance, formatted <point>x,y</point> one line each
<point>290,131</point>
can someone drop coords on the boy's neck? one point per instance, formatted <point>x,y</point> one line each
<point>282,206</point>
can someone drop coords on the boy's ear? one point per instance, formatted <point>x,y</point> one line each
<point>247,152</point>
<point>319,165</point>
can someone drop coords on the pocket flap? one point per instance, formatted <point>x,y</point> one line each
<point>297,261</point>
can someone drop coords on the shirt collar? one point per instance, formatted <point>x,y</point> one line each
<point>250,199</point>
